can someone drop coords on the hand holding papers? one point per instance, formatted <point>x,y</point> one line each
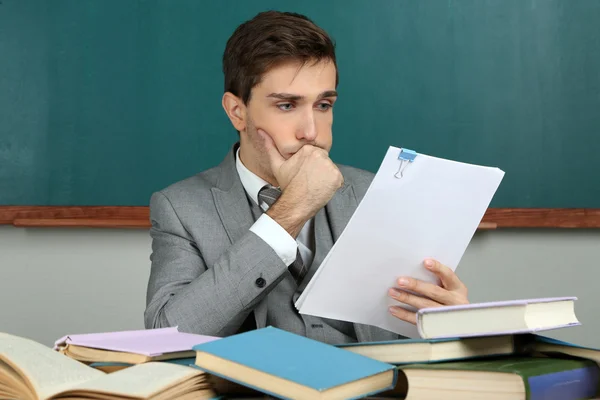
<point>416,208</point>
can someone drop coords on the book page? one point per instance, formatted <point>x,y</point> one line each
<point>48,371</point>
<point>430,207</point>
<point>139,381</point>
<point>12,385</point>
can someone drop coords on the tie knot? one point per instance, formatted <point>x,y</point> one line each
<point>269,194</point>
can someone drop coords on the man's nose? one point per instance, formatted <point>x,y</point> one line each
<point>308,130</point>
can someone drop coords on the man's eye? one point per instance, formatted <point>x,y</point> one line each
<point>285,106</point>
<point>324,106</point>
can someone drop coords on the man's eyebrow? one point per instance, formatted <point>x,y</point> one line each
<point>296,97</point>
<point>286,96</point>
<point>327,93</point>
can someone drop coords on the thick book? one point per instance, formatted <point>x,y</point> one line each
<point>132,347</point>
<point>291,366</point>
<point>32,371</point>
<point>497,318</point>
<point>527,378</point>
<point>408,351</point>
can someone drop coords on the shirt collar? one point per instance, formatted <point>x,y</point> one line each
<point>252,183</point>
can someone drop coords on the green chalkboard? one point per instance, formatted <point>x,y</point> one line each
<point>103,102</point>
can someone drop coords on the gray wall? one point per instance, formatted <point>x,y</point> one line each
<point>59,281</point>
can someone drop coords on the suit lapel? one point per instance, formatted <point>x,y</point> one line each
<point>234,210</point>
<point>323,243</point>
<point>235,213</point>
<point>230,199</point>
<point>340,209</point>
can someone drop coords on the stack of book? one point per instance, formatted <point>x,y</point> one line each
<point>479,351</point>
<point>491,351</point>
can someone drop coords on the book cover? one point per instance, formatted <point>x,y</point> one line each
<point>294,358</point>
<point>148,342</point>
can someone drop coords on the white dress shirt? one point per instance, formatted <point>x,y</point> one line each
<point>269,230</point>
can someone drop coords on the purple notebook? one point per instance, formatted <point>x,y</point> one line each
<point>493,326</point>
<point>149,342</point>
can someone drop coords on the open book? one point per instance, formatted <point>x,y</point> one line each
<point>31,371</point>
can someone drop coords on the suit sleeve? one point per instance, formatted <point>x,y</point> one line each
<point>183,292</point>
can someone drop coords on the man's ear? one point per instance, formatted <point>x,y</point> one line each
<point>236,110</point>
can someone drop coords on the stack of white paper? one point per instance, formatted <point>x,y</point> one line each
<point>433,210</point>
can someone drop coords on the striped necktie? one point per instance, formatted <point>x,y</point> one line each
<point>269,195</point>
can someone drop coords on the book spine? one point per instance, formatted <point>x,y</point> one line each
<point>575,384</point>
<point>420,325</point>
<point>376,392</point>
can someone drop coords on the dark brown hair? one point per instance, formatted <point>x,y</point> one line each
<point>267,40</point>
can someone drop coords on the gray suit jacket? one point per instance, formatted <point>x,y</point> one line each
<point>209,271</point>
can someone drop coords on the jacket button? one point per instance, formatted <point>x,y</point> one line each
<point>260,282</point>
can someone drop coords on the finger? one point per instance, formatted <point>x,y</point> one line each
<point>412,300</point>
<point>318,149</point>
<point>403,314</point>
<point>448,278</point>
<point>429,290</point>
<point>274,155</point>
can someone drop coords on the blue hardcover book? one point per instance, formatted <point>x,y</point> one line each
<point>290,366</point>
<point>408,351</point>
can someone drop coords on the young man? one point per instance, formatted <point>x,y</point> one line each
<point>234,246</point>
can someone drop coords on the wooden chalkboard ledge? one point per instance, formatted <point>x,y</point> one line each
<point>73,216</point>
<point>138,217</point>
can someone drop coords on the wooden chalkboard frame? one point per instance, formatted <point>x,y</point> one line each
<point>138,217</point>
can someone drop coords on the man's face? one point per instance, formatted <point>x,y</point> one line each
<point>293,105</point>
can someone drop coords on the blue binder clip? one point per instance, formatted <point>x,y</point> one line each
<point>406,156</point>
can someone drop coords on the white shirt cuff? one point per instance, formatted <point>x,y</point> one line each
<point>278,238</point>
